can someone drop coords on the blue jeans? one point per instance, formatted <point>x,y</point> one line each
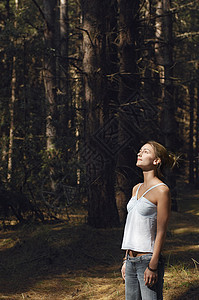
<point>135,288</point>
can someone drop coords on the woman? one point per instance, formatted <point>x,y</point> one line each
<point>146,225</point>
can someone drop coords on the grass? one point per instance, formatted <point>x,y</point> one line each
<point>73,261</point>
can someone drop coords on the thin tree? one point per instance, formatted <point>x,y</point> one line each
<point>63,71</point>
<point>191,134</point>
<point>12,109</point>
<point>49,72</point>
<point>164,58</point>
<point>197,138</point>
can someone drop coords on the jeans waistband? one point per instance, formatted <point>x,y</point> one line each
<point>133,253</point>
<point>139,258</point>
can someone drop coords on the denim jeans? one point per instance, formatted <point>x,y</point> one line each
<point>135,288</point>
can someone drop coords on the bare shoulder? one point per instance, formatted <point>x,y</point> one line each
<point>163,195</point>
<point>134,189</point>
<point>163,190</point>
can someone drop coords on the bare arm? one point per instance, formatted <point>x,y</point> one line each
<point>163,213</point>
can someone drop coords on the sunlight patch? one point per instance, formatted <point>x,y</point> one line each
<point>189,229</point>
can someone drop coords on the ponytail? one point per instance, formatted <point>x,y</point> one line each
<point>173,160</point>
<point>168,159</point>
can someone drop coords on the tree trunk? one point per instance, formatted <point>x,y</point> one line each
<point>63,73</point>
<point>49,72</point>
<point>102,211</point>
<point>169,124</point>
<point>197,139</point>
<point>128,86</point>
<point>12,105</point>
<point>191,133</point>
<point>150,89</point>
<point>164,57</point>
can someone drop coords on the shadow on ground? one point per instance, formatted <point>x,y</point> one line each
<point>31,255</point>
<point>36,253</point>
<point>191,294</point>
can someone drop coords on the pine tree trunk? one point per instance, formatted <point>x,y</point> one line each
<point>150,89</point>
<point>63,72</point>
<point>128,86</point>
<point>191,133</point>
<point>197,139</point>
<point>49,72</point>
<point>169,124</point>
<point>102,211</point>
<point>164,55</point>
<point>165,60</point>
<point>12,105</point>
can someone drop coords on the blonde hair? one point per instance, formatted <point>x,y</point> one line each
<point>168,159</point>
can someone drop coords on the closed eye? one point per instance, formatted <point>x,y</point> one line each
<point>144,151</point>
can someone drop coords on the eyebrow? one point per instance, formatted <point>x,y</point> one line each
<point>145,149</point>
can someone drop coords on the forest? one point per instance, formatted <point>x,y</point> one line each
<point>84,85</point>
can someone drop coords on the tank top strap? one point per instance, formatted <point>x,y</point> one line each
<point>136,195</point>
<point>154,186</point>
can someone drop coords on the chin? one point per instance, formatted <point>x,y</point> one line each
<point>138,164</point>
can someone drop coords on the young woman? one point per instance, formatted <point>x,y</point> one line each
<point>146,225</point>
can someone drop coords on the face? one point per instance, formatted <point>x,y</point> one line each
<point>146,158</point>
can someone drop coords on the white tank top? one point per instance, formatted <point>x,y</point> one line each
<point>141,223</point>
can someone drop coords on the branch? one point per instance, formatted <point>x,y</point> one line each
<point>173,10</point>
<point>40,10</point>
<point>183,6</point>
<point>87,34</point>
<point>187,34</point>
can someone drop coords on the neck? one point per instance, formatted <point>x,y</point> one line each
<point>149,177</point>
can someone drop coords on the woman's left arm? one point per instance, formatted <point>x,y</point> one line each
<point>163,213</point>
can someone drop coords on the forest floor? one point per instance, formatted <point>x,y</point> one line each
<point>74,261</point>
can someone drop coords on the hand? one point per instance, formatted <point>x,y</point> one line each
<point>123,269</point>
<point>150,277</point>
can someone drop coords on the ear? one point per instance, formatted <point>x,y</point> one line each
<point>157,161</point>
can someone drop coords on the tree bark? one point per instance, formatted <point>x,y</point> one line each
<point>150,89</point>
<point>102,211</point>
<point>191,134</point>
<point>197,139</point>
<point>128,86</point>
<point>63,73</point>
<point>12,105</point>
<point>169,124</point>
<point>164,58</point>
<point>164,55</point>
<point>49,72</point>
